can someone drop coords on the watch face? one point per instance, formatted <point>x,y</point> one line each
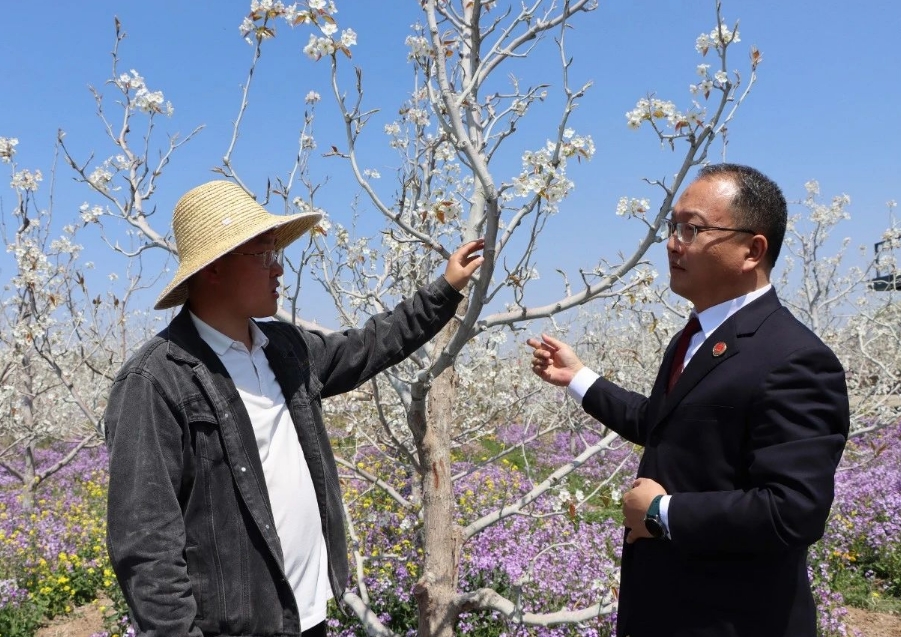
<point>654,527</point>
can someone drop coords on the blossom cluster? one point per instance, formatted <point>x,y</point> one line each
<point>544,170</point>
<point>718,38</point>
<point>7,148</point>
<point>316,12</point>
<point>142,98</point>
<point>655,110</point>
<point>626,207</point>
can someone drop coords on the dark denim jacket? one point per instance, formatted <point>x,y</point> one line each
<point>191,535</point>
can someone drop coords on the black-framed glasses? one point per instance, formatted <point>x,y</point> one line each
<point>686,232</point>
<point>268,258</point>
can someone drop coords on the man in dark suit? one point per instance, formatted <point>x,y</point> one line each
<point>740,450</point>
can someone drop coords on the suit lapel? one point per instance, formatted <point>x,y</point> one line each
<point>725,342</point>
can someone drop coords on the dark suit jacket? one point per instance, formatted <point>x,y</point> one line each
<point>747,443</point>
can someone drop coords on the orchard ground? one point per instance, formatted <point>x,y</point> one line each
<point>55,564</point>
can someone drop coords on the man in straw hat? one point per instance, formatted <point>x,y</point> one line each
<point>225,515</point>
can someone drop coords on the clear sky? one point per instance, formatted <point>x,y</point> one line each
<point>823,108</point>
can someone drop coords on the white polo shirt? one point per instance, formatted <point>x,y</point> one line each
<point>291,492</point>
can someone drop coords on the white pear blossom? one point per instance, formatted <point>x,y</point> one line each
<point>144,99</point>
<point>445,152</point>
<point>371,173</point>
<point>446,210</point>
<point>348,38</point>
<point>90,214</point>
<point>695,118</point>
<point>306,207</point>
<point>7,148</point>
<point>419,47</point>
<point>722,35</point>
<point>27,180</point>
<point>317,48</point>
<point>627,207</point>
<point>418,116</point>
<point>312,97</point>
<point>324,225</point>
<point>100,179</point>
<point>246,27</point>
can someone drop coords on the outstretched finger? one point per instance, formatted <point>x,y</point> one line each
<point>552,342</point>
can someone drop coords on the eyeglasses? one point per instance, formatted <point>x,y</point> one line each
<point>686,232</point>
<point>268,258</point>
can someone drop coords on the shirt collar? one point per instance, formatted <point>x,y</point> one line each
<point>220,343</point>
<point>713,317</point>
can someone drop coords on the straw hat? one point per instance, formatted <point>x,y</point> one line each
<point>216,218</point>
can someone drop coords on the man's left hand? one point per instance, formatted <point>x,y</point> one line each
<point>463,263</point>
<point>635,506</point>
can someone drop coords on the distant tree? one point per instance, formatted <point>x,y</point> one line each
<point>59,344</point>
<point>836,301</point>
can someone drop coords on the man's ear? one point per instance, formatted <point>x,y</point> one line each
<point>211,272</point>
<point>205,277</point>
<point>756,254</point>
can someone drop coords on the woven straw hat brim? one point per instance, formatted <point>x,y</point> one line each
<point>214,219</point>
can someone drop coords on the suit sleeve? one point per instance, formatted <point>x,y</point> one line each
<point>345,360</point>
<point>798,426</point>
<point>146,533</point>
<point>621,410</point>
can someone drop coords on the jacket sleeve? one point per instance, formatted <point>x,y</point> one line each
<point>345,360</point>
<point>621,410</point>
<point>798,426</point>
<point>146,533</point>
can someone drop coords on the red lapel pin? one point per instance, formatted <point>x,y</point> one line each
<point>719,349</point>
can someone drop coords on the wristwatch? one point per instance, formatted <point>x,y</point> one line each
<point>652,520</point>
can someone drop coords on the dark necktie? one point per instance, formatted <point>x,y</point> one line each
<point>691,328</point>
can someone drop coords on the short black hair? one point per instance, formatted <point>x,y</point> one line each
<point>758,205</point>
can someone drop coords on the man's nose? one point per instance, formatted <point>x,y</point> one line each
<point>673,244</point>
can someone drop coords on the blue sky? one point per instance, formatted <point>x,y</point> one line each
<point>823,107</point>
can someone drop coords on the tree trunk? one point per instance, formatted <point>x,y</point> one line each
<point>30,479</point>
<point>436,589</point>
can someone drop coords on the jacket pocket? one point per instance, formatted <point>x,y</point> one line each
<point>206,441</point>
<point>699,413</point>
<point>196,570</point>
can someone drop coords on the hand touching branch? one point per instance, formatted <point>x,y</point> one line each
<point>463,263</point>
